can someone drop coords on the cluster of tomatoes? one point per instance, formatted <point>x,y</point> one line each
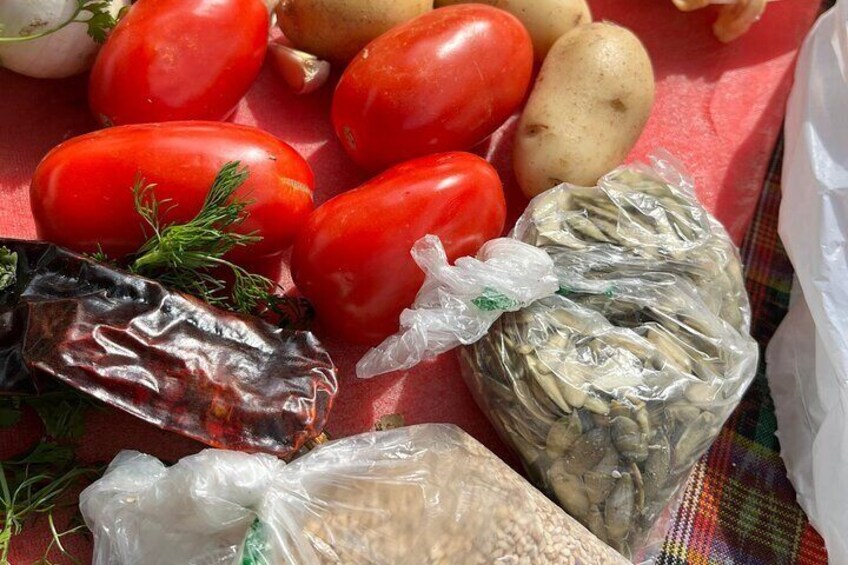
<point>406,108</point>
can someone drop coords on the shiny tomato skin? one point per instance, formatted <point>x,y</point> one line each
<point>352,259</point>
<point>178,60</point>
<point>81,192</point>
<point>443,81</point>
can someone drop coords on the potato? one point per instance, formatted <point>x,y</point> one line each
<point>588,107</point>
<point>338,29</point>
<point>546,20</point>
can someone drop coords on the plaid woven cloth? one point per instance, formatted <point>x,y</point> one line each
<point>739,507</point>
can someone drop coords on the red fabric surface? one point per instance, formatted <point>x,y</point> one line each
<point>718,109</point>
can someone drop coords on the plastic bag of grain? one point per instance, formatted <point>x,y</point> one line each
<point>426,494</point>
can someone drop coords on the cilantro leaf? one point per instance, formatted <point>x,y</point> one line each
<point>101,21</point>
<point>8,267</point>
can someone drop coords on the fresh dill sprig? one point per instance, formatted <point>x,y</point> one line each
<point>100,256</point>
<point>185,256</point>
<point>38,483</point>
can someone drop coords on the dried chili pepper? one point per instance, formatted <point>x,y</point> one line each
<point>228,380</point>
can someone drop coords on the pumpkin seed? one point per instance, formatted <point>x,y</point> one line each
<point>629,439</point>
<point>619,509</point>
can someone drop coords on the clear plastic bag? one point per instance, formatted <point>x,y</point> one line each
<point>420,495</point>
<point>807,359</point>
<point>613,388</point>
<point>457,304</point>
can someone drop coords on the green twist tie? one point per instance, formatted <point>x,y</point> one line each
<point>492,300</point>
<point>255,545</point>
<point>565,291</point>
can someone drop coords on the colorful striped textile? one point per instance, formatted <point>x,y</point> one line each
<point>739,507</point>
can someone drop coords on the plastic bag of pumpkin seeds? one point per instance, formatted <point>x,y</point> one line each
<point>611,388</point>
<point>614,387</point>
<point>426,494</point>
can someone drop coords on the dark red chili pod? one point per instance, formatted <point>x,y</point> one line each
<point>227,380</point>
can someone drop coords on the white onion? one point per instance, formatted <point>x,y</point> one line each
<point>66,52</point>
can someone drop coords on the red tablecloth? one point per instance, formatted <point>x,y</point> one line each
<point>718,109</point>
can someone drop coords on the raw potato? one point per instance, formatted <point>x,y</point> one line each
<point>338,29</point>
<point>546,20</point>
<point>589,106</point>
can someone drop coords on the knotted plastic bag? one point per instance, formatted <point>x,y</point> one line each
<point>420,495</point>
<point>458,303</point>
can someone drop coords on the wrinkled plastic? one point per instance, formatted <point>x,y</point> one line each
<point>808,356</point>
<point>457,304</point>
<point>612,389</point>
<point>735,16</point>
<point>225,379</point>
<point>420,495</point>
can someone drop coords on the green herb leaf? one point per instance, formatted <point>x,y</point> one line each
<point>8,268</point>
<point>35,485</point>
<point>291,312</point>
<point>184,256</point>
<point>62,412</point>
<point>101,257</point>
<point>100,21</point>
<point>46,453</point>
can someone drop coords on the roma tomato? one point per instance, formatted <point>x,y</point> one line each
<point>82,194</point>
<point>352,260</point>
<point>441,82</point>
<point>179,60</point>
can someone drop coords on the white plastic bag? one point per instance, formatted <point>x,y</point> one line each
<point>457,304</point>
<point>808,356</point>
<point>419,495</point>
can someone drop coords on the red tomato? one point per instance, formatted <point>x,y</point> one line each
<point>179,60</point>
<point>81,192</point>
<point>441,82</point>
<point>352,260</point>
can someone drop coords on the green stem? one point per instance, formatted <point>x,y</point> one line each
<point>8,519</point>
<point>149,259</point>
<point>68,22</point>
